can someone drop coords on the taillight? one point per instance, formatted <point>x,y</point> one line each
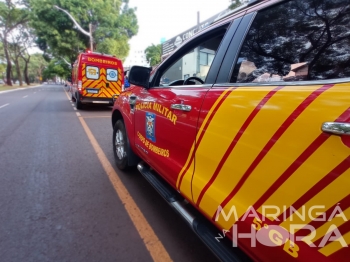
<point>79,85</point>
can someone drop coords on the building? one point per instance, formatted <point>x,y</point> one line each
<point>135,57</point>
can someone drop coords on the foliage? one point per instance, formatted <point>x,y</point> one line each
<point>314,33</point>
<point>113,22</point>
<point>56,68</point>
<point>153,54</point>
<point>11,17</point>
<point>36,67</point>
<point>235,4</point>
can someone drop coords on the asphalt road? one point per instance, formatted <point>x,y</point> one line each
<point>57,202</point>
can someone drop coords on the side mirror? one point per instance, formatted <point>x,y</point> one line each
<point>139,76</point>
<point>115,97</point>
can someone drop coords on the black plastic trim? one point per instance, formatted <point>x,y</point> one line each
<point>282,83</point>
<point>215,66</point>
<point>235,46</point>
<point>187,47</point>
<point>221,246</point>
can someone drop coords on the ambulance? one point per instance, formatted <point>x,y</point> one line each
<point>96,78</point>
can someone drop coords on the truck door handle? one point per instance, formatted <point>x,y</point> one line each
<point>336,128</point>
<point>182,107</point>
<point>132,100</point>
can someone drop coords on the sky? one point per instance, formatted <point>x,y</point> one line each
<point>166,18</point>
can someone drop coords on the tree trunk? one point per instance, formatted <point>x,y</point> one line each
<point>25,72</point>
<point>18,70</point>
<point>8,60</point>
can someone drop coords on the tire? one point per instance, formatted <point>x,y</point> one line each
<point>121,146</point>
<point>78,104</point>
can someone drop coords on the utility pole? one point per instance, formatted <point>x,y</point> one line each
<point>89,34</point>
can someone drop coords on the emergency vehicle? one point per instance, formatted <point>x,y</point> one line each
<point>252,129</point>
<point>96,78</point>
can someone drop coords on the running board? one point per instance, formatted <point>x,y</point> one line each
<point>206,231</point>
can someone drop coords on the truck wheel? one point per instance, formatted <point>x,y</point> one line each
<point>78,104</point>
<point>121,145</point>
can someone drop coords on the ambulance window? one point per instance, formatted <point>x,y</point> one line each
<point>297,41</point>
<point>112,75</point>
<point>92,72</point>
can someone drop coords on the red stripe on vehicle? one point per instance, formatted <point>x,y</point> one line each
<point>323,218</point>
<point>201,136</point>
<point>114,86</point>
<point>102,81</point>
<point>236,139</point>
<point>273,140</point>
<point>343,229</point>
<point>342,255</point>
<point>106,89</point>
<point>323,183</point>
<point>298,162</point>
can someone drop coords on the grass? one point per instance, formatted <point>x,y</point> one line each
<point>6,87</point>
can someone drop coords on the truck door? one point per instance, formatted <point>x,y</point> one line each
<point>166,115</point>
<point>281,135</point>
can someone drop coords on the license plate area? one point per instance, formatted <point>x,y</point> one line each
<point>92,90</point>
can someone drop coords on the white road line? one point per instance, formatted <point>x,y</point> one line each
<point>25,96</point>
<point>4,105</point>
<point>78,114</point>
<point>34,92</point>
<point>74,108</point>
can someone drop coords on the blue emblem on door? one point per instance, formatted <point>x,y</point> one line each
<point>151,126</point>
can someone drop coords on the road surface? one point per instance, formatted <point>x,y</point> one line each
<point>63,200</point>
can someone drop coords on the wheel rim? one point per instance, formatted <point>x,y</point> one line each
<point>119,145</point>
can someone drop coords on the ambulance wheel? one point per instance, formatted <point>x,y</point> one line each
<point>121,146</point>
<point>78,104</point>
<point>73,99</point>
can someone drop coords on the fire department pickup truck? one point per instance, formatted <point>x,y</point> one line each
<point>249,123</point>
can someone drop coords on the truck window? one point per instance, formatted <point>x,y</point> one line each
<point>195,63</point>
<point>296,41</point>
<point>112,75</point>
<point>92,72</point>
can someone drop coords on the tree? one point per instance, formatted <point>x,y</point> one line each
<point>20,41</point>
<point>314,33</point>
<point>10,18</point>
<point>36,67</point>
<point>114,23</point>
<point>55,68</point>
<point>153,54</point>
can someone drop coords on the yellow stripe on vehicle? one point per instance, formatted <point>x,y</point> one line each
<point>318,165</point>
<point>217,139</point>
<point>200,131</point>
<point>335,245</point>
<point>305,129</point>
<point>265,124</point>
<point>328,197</point>
<point>323,230</point>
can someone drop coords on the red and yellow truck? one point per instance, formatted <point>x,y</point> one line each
<point>96,78</point>
<point>248,124</point>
